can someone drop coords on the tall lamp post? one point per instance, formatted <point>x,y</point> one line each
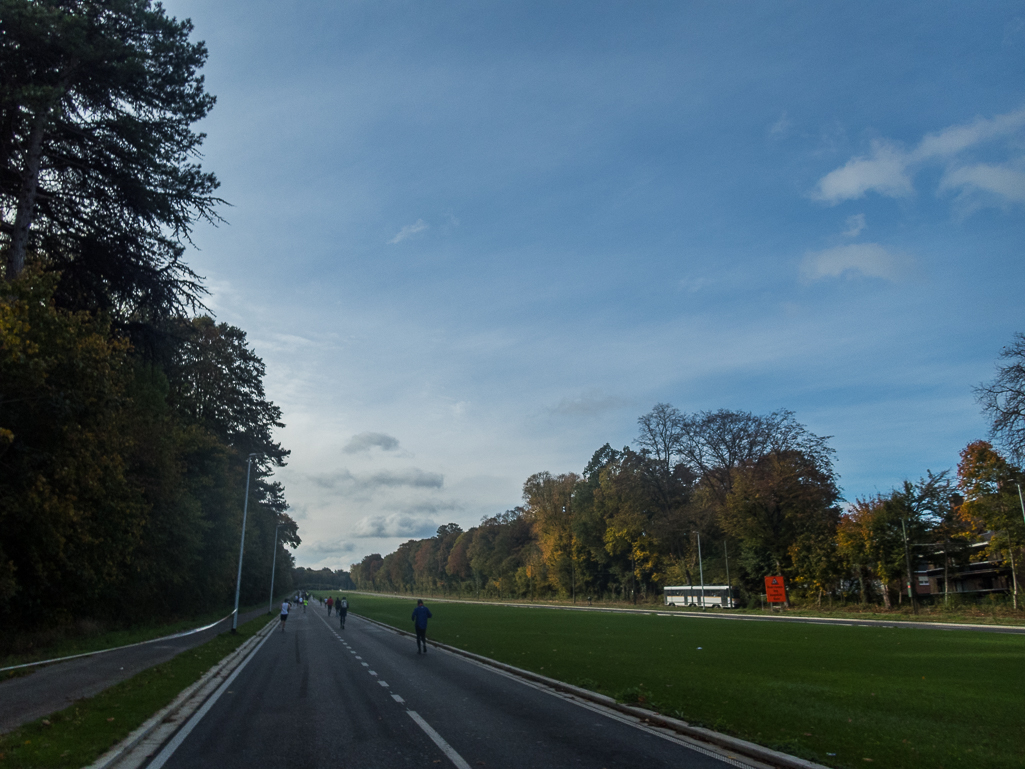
<point>907,559</point>
<point>273,568</point>
<point>701,571</point>
<point>242,545</point>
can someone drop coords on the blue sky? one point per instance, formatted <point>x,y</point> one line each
<point>474,241</point>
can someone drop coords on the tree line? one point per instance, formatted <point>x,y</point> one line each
<point>757,495</point>
<point>127,414</point>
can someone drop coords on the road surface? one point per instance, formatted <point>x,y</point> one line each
<point>319,696</point>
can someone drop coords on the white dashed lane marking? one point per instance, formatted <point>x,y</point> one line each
<point>438,740</point>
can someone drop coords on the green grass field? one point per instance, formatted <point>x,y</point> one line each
<point>844,696</point>
<point>80,734</point>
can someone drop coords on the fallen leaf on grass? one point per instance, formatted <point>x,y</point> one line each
<point>110,719</point>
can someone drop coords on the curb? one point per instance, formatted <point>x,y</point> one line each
<point>698,733</point>
<point>162,725</point>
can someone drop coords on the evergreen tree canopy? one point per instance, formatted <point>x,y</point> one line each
<point>98,160</point>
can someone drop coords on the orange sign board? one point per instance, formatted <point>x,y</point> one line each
<point>775,591</point>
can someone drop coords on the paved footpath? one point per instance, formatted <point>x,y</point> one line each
<point>54,687</point>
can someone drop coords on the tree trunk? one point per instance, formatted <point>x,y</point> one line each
<point>27,196</point>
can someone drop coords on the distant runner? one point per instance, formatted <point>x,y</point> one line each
<point>284,614</point>
<point>342,607</point>
<point>330,603</point>
<point>420,616</point>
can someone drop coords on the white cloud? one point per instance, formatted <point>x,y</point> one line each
<point>781,127</point>
<point>323,549</point>
<point>888,168</point>
<point>364,442</point>
<point>951,141</point>
<point>855,224</point>
<point>867,259</point>
<point>408,231</point>
<point>587,404</point>
<point>396,525</point>
<point>343,480</point>
<point>1004,181</point>
<point>884,170</point>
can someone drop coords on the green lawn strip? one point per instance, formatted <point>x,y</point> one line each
<point>81,733</point>
<point>900,697</point>
<point>115,638</point>
<point>961,614</point>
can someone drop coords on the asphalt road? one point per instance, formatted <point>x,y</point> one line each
<point>50,688</point>
<point>319,696</point>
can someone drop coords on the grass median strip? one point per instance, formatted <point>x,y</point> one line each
<point>842,696</point>
<point>81,733</point>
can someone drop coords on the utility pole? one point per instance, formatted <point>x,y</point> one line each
<point>907,559</point>
<point>273,568</point>
<point>572,560</point>
<point>701,571</point>
<point>242,545</point>
<point>729,585</point>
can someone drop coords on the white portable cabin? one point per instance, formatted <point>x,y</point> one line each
<point>715,596</point>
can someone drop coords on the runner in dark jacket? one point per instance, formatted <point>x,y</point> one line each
<point>420,616</point>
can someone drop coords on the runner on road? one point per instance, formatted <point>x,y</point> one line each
<point>330,603</point>
<point>284,614</point>
<point>342,607</point>
<point>420,616</point>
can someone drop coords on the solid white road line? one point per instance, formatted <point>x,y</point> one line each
<point>179,738</point>
<point>447,749</point>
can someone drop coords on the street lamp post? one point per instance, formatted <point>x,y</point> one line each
<point>273,568</point>
<point>907,559</point>
<point>729,585</point>
<point>701,571</point>
<point>242,545</point>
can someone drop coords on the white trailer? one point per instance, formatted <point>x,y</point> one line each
<point>715,596</point>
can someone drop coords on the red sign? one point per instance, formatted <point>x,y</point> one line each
<point>775,591</point>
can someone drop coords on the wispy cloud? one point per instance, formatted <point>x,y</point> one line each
<point>781,127</point>
<point>364,442</point>
<point>1002,181</point>
<point>587,404</point>
<point>408,231</point>
<point>855,225</point>
<point>888,168</point>
<point>343,480</point>
<point>396,525</point>
<point>883,170</point>
<point>323,549</point>
<point>865,259</point>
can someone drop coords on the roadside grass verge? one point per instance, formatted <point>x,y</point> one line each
<point>81,733</point>
<point>844,696</point>
<point>958,611</point>
<point>63,643</point>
